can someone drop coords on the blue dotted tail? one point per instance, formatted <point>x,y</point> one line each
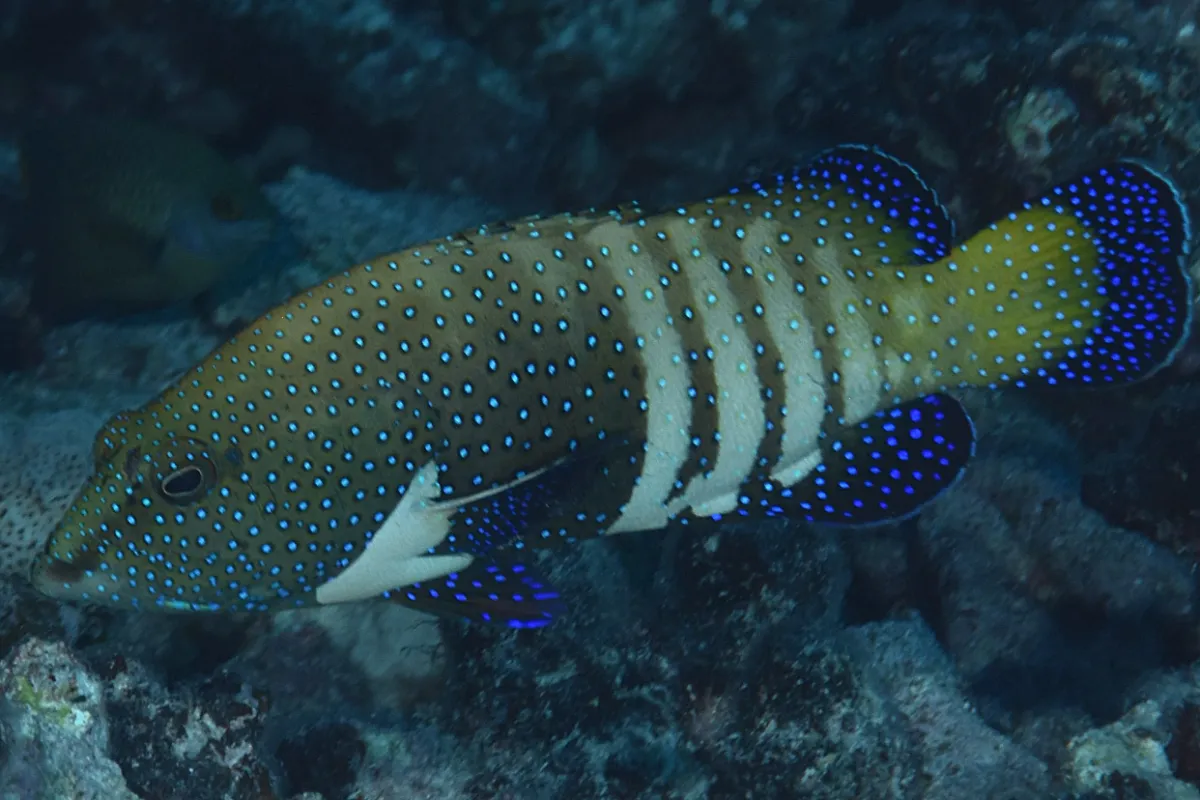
<point>888,466</point>
<point>502,591</point>
<point>1140,229</point>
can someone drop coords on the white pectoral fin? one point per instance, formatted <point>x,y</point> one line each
<point>398,554</point>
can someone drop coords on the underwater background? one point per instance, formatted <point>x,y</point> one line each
<point>1033,633</point>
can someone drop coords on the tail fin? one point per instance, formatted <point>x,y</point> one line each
<point>1086,285</point>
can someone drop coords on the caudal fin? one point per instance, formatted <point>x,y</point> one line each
<point>1086,285</point>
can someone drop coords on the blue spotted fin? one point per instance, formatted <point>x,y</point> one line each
<point>504,515</point>
<point>885,468</point>
<point>885,197</point>
<point>499,585</point>
<point>575,497</point>
<point>502,589</point>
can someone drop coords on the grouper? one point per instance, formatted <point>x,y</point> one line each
<point>420,425</point>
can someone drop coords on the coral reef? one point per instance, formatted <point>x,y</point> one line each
<point>55,731</point>
<point>46,459</point>
<point>1129,754</point>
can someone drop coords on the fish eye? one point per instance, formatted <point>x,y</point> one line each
<point>184,485</point>
<point>225,208</point>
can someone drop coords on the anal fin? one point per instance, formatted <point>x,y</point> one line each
<point>886,467</point>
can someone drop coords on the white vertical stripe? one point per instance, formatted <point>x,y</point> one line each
<point>741,413</point>
<point>665,372</point>
<point>804,382</point>
<point>741,418</point>
<point>850,351</point>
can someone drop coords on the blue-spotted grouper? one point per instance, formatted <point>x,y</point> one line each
<point>417,426</point>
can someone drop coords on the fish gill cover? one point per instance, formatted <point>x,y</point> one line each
<point>1026,631</point>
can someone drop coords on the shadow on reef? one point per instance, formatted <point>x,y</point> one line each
<point>1091,664</point>
<point>702,675</point>
<point>322,759</point>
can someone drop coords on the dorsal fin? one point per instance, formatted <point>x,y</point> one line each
<point>866,195</point>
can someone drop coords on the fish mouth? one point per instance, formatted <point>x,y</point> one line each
<point>50,575</point>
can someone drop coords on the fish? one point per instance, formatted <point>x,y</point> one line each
<point>424,425</point>
<point>126,216</point>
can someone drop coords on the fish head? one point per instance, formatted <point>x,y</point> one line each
<point>146,528</point>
